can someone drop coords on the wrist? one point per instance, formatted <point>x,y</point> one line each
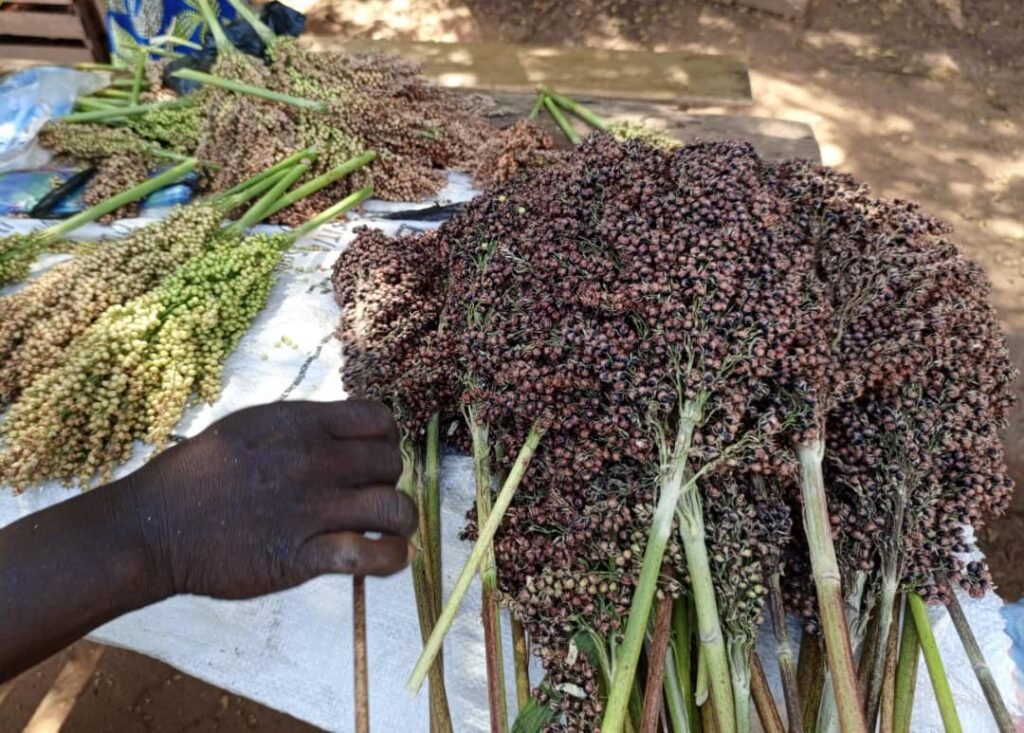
<point>139,554</point>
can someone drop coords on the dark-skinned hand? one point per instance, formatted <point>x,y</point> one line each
<point>261,501</point>
<point>272,496</point>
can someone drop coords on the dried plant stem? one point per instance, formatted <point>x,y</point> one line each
<point>362,685</point>
<point>810,674</point>
<point>771,721</point>
<point>936,670</point>
<point>873,658</point>
<point>521,660</point>
<point>556,113</point>
<point>491,613</point>
<point>857,623</point>
<point>889,676</point>
<point>784,654</point>
<point>658,652</point>
<point>485,537</point>
<point>906,674</point>
<point>827,581</point>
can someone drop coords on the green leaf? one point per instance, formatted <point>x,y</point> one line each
<point>185,24</point>
<point>124,44</point>
<point>534,717</point>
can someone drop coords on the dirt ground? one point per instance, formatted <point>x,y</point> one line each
<point>923,99</point>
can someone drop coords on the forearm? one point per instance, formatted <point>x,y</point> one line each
<point>70,568</point>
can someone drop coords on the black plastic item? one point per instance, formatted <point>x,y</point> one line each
<point>201,61</point>
<point>430,213</point>
<point>44,209</point>
<point>281,19</point>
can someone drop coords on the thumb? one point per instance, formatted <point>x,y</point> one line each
<point>354,554</point>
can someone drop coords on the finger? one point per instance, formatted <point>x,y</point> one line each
<point>357,463</point>
<point>376,509</point>
<point>353,554</point>
<point>356,420</point>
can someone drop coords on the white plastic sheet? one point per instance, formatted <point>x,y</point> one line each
<point>292,651</point>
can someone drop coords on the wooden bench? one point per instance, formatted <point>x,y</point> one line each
<point>54,31</point>
<point>673,77</point>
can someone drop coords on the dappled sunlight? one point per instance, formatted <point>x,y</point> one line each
<point>55,708</point>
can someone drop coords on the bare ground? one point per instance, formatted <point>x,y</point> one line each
<point>921,98</point>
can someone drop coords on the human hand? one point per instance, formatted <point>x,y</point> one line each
<point>273,496</point>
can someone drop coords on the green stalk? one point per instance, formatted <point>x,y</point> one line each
<point>906,674</point>
<point>485,537</point>
<point>113,94</point>
<point>700,687</point>
<point>95,66</point>
<point>681,633</point>
<point>220,38</point>
<point>433,506</point>
<point>784,654</point>
<point>767,713</point>
<point>140,68</point>
<point>227,204</point>
<point>981,669</point>
<point>827,581</point>
<point>936,671</point>
<point>262,30</point>
<point>258,211</point>
<point>672,490</point>
<point>120,84</point>
<point>592,119</point>
<point>556,114</point>
<point>307,153</point>
<point>537,106</point>
<point>91,104</point>
<point>324,179</point>
<point>674,696</point>
<point>739,671</point>
<point>169,53</point>
<point>349,202</point>
<point>491,614</point>
<point>857,623</point>
<point>521,659</point>
<point>242,88</point>
<point>109,115</point>
<point>440,717</point>
<point>169,40</point>
<point>58,231</point>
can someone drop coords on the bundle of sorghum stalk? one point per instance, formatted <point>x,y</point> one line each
<point>711,382</point>
<point>110,349</point>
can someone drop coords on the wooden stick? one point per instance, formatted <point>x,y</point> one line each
<point>362,685</point>
<point>764,703</point>
<point>653,689</point>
